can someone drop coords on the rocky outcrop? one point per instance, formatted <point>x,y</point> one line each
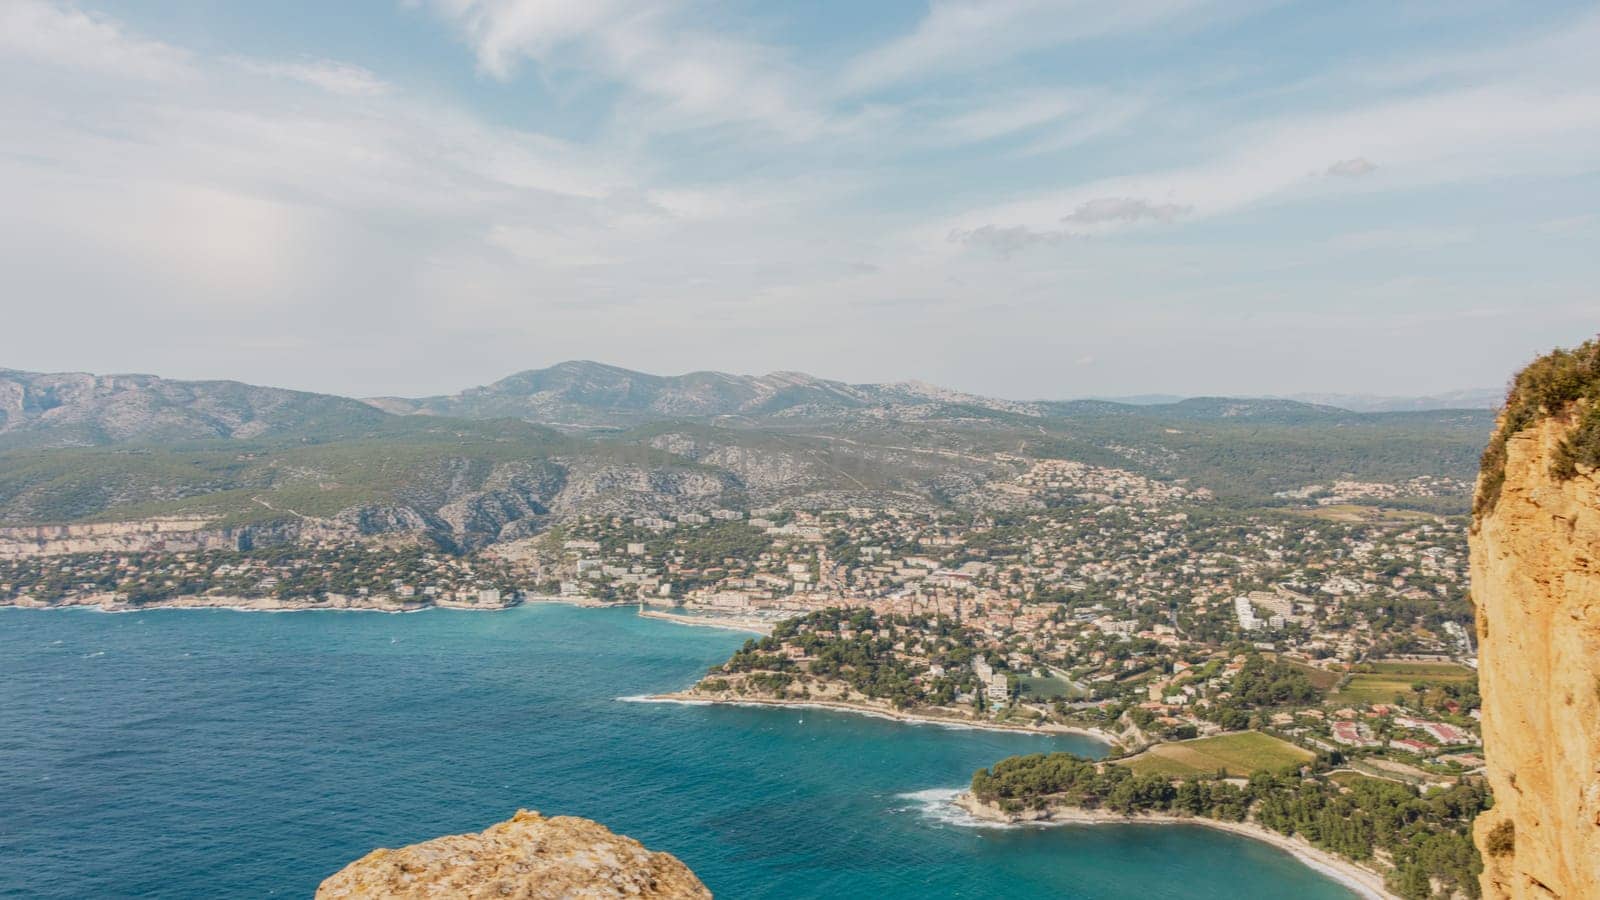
<point>528,857</point>
<point>759,469</point>
<point>1536,583</point>
<point>184,534</point>
<point>593,489</point>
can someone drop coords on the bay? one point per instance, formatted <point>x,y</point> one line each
<point>185,753</point>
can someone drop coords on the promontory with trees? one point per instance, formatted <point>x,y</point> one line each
<point>1419,840</point>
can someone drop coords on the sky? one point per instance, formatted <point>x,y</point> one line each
<point>1020,198</point>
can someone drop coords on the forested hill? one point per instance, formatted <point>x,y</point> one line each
<point>545,443</point>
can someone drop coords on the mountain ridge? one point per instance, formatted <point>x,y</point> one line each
<point>87,409</point>
<point>587,392</point>
<point>505,460</point>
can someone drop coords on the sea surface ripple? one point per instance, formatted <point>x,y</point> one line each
<point>208,753</point>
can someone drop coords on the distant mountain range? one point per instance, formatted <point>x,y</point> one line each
<point>499,461</point>
<point>587,393</point>
<point>78,409</point>
<point>1480,398</point>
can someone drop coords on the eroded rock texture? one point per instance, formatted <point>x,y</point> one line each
<point>1536,584</point>
<point>529,857</point>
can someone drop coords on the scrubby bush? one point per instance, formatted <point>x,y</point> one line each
<point>1549,386</point>
<point>1501,839</point>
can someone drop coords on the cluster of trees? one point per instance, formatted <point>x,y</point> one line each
<point>1261,684</point>
<point>865,661</point>
<point>1045,779</point>
<point>1265,683</point>
<point>709,545</point>
<point>1426,837</point>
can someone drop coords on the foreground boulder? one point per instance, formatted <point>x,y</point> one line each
<point>525,858</point>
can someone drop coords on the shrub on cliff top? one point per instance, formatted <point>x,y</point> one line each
<point>1549,386</point>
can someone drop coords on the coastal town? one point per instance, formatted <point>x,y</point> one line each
<point>353,576</point>
<point>1081,597</point>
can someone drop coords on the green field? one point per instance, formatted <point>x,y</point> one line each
<point>1321,679</point>
<point>1434,671</point>
<point>1395,677</point>
<point>1239,753</point>
<point>1047,687</point>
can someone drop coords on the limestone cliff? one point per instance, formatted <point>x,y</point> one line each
<point>1536,583</point>
<point>529,857</point>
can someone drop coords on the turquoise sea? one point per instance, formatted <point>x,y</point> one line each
<point>225,754</point>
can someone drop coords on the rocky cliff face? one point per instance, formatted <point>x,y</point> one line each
<point>173,534</point>
<point>529,857</point>
<point>179,534</point>
<point>1536,583</point>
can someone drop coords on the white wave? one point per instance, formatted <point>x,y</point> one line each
<point>647,698</point>
<point>938,805</point>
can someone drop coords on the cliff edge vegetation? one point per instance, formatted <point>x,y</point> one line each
<point>1565,384</point>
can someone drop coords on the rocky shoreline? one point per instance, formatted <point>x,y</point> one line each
<point>1366,882</point>
<point>109,603</point>
<point>884,713</point>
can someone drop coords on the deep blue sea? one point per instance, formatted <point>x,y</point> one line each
<point>223,754</point>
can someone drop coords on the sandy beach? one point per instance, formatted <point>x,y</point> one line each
<point>877,712</point>
<point>1365,882</point>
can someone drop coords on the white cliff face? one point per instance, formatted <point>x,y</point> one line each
<point>167,534</point>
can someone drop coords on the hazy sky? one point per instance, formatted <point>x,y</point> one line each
<point>1026,199</point>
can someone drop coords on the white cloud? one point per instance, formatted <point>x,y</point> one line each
<point>63,36</point>
<point>1006,241</point>
<point>959,35</point>
<point>1088,218</point>
<point>1123,211</point>
<point>1352,168</point>
<point>689,76</point>
<point>504,32</point>
<point>1449,136</point>
<point>194,206</point>
<point>996,117</point>
<point>340,78</point>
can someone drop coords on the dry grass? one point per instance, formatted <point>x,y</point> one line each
<point>1239,754</point>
